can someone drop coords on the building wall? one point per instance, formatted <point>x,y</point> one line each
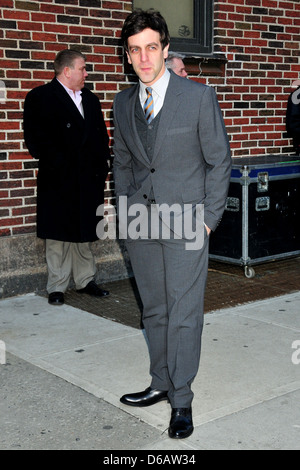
<point>256,61</point>
<point>261,41</point>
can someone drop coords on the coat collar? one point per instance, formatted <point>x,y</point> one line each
<point>65,98</point>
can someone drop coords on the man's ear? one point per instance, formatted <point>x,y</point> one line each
<point>66,72</point>
<point>128,58</point>
<point>166,51</point>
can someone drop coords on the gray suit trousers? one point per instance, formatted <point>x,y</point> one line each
<point>171,283</point>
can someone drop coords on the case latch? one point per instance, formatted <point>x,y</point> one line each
<point>262,204</point>
<point>232,204</point>
<point>262,182</point>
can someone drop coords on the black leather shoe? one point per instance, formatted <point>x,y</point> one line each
<point>93,289</point>
<point>181,424</point>
<point>56,298</point>
<point>147,398</point>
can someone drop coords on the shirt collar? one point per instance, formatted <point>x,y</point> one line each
<point>159,87</point>
<point>70,92</point>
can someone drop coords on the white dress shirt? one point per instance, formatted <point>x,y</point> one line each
<point>159,90</point>
<point>76,97</point>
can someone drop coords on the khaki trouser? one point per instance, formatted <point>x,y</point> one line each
<point>65,259</point>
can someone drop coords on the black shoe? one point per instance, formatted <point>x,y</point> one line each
<point>93,289</point>
<point>147,398</point>
<point>181,424</point>
<point>56,298</point>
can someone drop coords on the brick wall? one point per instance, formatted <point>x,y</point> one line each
<point>261,41</point>
<point>258,39</point>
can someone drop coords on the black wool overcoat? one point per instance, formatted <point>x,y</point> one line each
<point>72,153</point>
<point>293,119</point>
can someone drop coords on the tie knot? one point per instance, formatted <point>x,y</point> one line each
<point>149,91</point>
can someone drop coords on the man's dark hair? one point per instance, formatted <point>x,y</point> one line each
<point>139,20</point>
<point>66,58</point>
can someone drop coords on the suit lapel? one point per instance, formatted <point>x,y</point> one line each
<point>132,123</point>
<point>170,107</point>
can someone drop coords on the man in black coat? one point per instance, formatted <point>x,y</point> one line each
<point>64,129</point>
<point>293,118</point>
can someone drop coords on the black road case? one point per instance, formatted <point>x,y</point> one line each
<point>262,215</point>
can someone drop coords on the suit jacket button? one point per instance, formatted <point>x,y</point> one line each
<point>145,196</point>
<point>152,170</point>
<point>68,125</point>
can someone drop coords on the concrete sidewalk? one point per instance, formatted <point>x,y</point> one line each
<point>66,369</point>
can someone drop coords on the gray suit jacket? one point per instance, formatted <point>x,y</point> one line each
<point>191,162</point>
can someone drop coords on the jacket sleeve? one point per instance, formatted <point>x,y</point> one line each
<point>122,166</point>
<point>293,119</point>
<point>293,116</point>
<point>33,125</point>
<point>41,133</point>
<point>216,152</point>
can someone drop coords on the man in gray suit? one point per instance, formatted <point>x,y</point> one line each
<point>171,149</point>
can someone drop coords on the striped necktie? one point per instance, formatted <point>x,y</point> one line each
<point>148,106</point>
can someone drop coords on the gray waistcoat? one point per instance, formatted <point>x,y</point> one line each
<point>147,133</point>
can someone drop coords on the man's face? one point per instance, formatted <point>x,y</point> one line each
<point>146,55</point>
<point>179,67</point>
<point>76,75</point>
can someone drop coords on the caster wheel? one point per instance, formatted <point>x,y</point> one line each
<point>249,272</point>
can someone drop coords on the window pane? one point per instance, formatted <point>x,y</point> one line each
<point>179,15</point>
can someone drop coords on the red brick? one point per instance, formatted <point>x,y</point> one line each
<point>20,156</point>
<point>10,166</point>
<point>30,26</point>
<point>7,4</point>
<point>9,125</point>
<point>9,64</point>
<point>21,192</point>
<point>56,28</point>
<point>20,174</point>
<point>23,211</point>
<point>52,8</point>
<point>80,30</point>
<point>30,183</point>
<point>10,202</point>
<point>18,74</point>
<point>23,230</point>
<point>15,14</point>
<point>30,220</point>
<point>110,5</point>
<point>43,17</point>
<point>45,76</point>
<point>5,232</point>
<point>44,37</point>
